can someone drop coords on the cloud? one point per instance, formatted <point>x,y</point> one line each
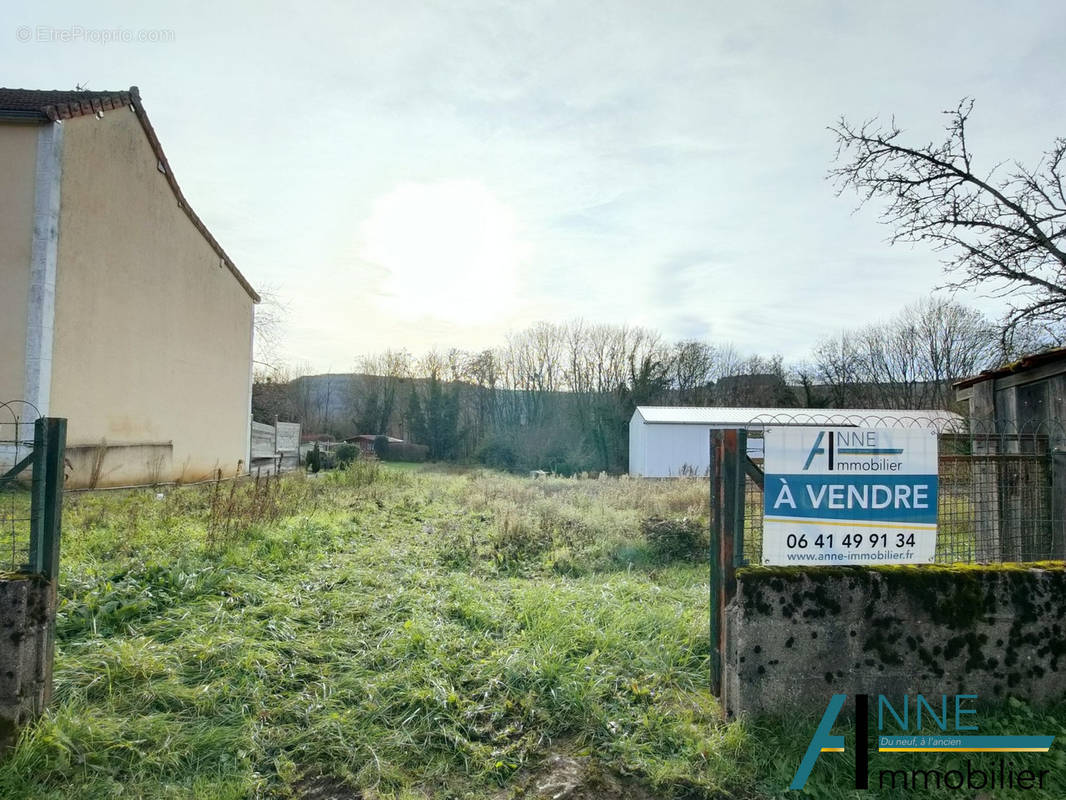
<point>498,162</point>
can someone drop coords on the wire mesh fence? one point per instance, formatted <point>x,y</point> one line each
<point>16,444</point>
<point>1001,497</point>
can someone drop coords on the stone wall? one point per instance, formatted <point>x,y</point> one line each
<point>795,636</point>
<point>27,629</point>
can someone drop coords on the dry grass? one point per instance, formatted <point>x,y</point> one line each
<point>390,634</point>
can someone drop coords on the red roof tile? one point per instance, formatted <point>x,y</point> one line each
<point>55,105</point>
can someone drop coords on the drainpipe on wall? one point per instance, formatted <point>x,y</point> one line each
<point>44,250</point>
<point>251,380</point>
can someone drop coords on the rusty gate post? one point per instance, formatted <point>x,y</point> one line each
<point>713,556</point>
<point>727,537</point>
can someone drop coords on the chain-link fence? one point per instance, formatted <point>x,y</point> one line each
<point>16,445</point>
<point>31,489</point>
<point>1002,495</point>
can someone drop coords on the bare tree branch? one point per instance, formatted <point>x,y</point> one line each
<point>1004,235</point>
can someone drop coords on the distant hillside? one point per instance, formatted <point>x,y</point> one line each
<point>331,403</point>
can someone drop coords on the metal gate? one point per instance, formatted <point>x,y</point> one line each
<point>1001,499</point>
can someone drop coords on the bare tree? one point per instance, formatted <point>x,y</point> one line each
<point>375,393</point>
<point>909,361</point>
<point>484,370</point>
<point>304,394</point>
<point>432,362</point>
<point>692,362</point>
<point>837,365</point>
<point>275,394</point>
<point>1004,233</point>
<point>269,325</point>
<point>324,404</point>
<point>727,361</point>
<point>890,357</point>
<point>956,342</point>
<point>805,375</point>
<point>753,381</point>
<point>456,361</point>
<point>533,368</point>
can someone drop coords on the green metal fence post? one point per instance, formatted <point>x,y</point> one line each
<point>46,488</point>
<point>37,498</point>
<point>53,490</point>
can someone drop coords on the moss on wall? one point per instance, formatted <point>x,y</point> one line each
<point>996,628</point>
<point>963,593</point>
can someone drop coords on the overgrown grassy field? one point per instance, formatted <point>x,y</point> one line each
<point>381,633</point>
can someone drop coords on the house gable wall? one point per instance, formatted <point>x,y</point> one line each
<point>18,154</point>
<point>152,332</point>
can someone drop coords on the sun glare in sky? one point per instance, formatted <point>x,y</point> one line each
<point>450,250</point>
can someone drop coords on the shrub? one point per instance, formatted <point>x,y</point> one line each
<point>497,455</point>
<point>356,474</point>
<point>519,539</point>
<point>345,454</point>
<point>674,539</point>
<point>237,506</point>
<point>569,461</point>
<point>381,447</point>
<point>405,451</point>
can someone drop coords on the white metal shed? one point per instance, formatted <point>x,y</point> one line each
<point>669,441</point>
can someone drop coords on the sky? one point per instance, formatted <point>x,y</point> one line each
<point>435,174</point>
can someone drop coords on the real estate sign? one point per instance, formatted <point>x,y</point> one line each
<point>849,496</point>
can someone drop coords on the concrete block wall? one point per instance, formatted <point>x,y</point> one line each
<point>27,630</point>
<point>795,636</point>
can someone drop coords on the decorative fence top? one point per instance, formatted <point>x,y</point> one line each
<point>941,421</point>
<point>944,422</point>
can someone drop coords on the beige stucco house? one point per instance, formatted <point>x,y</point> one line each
<point>119,310</point>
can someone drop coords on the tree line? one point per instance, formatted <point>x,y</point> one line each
<point>560,396</point>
